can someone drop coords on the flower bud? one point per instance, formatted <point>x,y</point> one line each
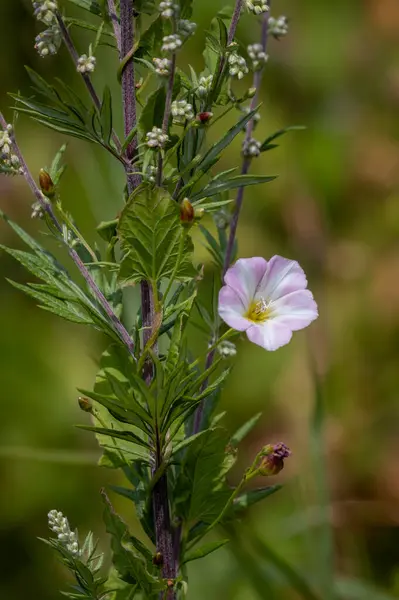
<point>251,92</point>
<point>187,214</point>
<point>46,184</point>
<point>204,117</point>
<point>85,404</point>
<point>273,459</point>
<point>157,559</point>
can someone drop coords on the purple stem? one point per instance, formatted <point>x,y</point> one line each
<point>162,521</point>
<point>198,415</point>
<point>86,78</point>
<point>47,207</point>
<point>115,23</point>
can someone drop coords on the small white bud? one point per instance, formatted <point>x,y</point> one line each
<point>251,148</point>
<point>48,42</point>
<point>227,349</point>
<point>86,64</point>
<point>257,7</point>
<point>182,111</point>
<point>237,65</point>
<point>204,85</point>
<point>257,55</point>
<point>45,11</point>
<point>162,66</point>
<point>168,9</point>
<point>156,138</point>
<point>171,43</point>
<point>186,28</point>
<point>278,27</point>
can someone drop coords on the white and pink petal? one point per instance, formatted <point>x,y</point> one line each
<point>295,310</point>
<point>270,335</point>
<point>282,277</point>
<point>232,310</point>
<point>245,276</point>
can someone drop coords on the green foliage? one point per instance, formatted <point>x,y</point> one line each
<point>155,244</point>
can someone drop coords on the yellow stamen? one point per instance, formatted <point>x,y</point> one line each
<point>259,311</point>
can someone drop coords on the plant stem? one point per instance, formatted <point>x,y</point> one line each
<point>86,78</point>
<point>48,209</point>
<point>244,170</point>
<point>162,521</point>
<point>166,114</point>
<point>115,23</point>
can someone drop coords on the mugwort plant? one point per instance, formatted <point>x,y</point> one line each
<point>153,405</point>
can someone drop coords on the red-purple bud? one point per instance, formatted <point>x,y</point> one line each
<point>204,117</point>
<point>273,459</point>
<point>85,404</point>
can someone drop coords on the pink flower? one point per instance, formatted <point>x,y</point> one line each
<point>267,299</point>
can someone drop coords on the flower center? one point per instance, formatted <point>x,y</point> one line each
<point>259,311</point>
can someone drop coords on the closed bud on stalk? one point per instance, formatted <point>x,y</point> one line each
<point>187,214</point>
<point>199,213</point>
<point>157,559</point>
<point>250,93</point>
<point>272,461</point>
<point>85,404</point>
<point>204,117</point>
<point>46,184</point>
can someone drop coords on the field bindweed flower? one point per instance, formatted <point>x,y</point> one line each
<point>267,299</point>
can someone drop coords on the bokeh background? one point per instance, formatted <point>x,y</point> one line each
<point>331,395</point>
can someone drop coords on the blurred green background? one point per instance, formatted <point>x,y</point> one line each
<point>335,208</point>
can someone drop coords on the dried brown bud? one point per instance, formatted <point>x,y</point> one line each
<point>187,214</point>
<point>46,183</point>
<point>85,404</point>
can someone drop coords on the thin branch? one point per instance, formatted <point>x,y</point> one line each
<point>198,416</point>
<point>85,76</point>
<point>115,23</point>
<point>168,106</point>
<point>47,207</point>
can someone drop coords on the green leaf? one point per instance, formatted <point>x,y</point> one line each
<point>243,431</point>
<point>235,182</point>
<point>217,148</point>
<point>354,589</point>
<point>130,557</point>
<point>152,113</point>
<point>151,39</point>
<point>247,499</point>
<point>203,550</point>
<point>89,5</point>
<point>266,145</point>
<point>154,243</point>
<point>106,115</point>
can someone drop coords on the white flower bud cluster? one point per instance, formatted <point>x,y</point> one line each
<point>48,41</point>
<point>182,111</point>
<point>227,349</point>
<point>59,524</point>
<point>251,148</point>
<point>222,218</point>
<point>257,55</point>
<point>204,85</point>
<point>171,43</point>
<point>86,64</point>
<point>186,28</point>
<point>162,66</point>
<point>255,118</point>
<point>237,65</point>
<point>8,159</point>
<point>156,138</point>
<point>257,7</point>
<point>278,27</point>
<point>44,11</point>
<point>168,9</point>
<point>37,211</point>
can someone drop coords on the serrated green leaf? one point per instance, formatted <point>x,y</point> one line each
<point>203,550</point>
<point>151,236</point>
